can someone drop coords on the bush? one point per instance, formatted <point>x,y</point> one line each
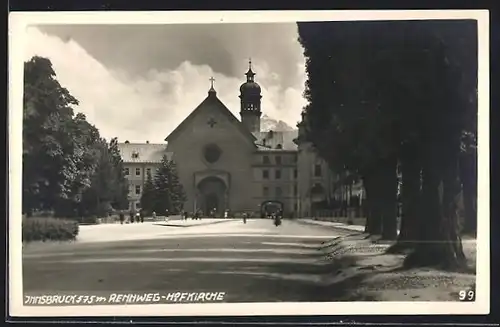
<point>49,229</point>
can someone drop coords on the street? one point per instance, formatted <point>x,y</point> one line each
<point>253,262</point>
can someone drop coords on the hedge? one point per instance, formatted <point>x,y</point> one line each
<point>49,229</point>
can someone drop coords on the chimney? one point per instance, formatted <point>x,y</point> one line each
<point>147,142</point>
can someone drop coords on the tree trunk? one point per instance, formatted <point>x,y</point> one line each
<point>439,242</point>
<point>468,176</point>
<point>367,205</point>
<point>389,190</point>
<point>375,200</point>
<point>410,197</point>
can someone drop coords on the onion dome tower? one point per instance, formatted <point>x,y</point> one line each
<point>250,102</point>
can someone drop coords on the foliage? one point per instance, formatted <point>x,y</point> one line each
<point>148,194</point>
<point>48,229</point>
<point>169,193</point>
<point>68,168</point>
<point>177,193</point>
<point>380,93</point>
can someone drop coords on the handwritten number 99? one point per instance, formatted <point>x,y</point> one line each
<point>466,295</point>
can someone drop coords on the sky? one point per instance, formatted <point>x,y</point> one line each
<point>138,82</point>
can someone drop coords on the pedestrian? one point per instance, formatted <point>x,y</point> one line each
<point>132,214</point>
<point>142,216</point>
<point>154,215</point>
<point>122,217</point>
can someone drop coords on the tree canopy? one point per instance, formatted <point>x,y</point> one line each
<point>384,94</point>
<point>68,168</point>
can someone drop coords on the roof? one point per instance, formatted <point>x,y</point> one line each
<point>269,141</point>
<point>212,98</point>
<point>147,152</point>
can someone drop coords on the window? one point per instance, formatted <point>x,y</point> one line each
<point>148,171</point>
<point>278,192</point>
<point>277,174</point>
<point>295,207</point>
<point>265,174</point>
<point>212,153</point>
<point>295,158</point>
<point>317,170</point>
<point>266,160</point>
<point>295,173</point>
<point>135,155</point>
<point>279,146</point>
<point>138,189</point>
<point>278,160</point>
<point>127,171</point>
<point>265,191</point>
<point>138,172</point>
<point>295,190</point>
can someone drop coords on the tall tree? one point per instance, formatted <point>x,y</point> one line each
<point>162,194</point>
<point>376,97</point>
<point>148,194</point>
<point>67,167</point>
<point>119,200</point>
<point>169,193</point>
<point>177,193</point>
<point>48,166</point>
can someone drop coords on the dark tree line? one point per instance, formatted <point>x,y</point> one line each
<point>68,168</point>
<point>400,95</point>
<point>163,193</point>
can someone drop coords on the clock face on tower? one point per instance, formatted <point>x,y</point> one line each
<point>212,153</point>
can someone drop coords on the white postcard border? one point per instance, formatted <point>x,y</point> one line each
<point>18,21</point>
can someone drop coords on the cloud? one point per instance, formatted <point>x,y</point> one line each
<point>149,106</point>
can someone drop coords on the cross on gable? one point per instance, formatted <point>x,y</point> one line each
<point>212,80</point>
<point>211,122</point>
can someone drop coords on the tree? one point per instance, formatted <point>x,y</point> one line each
<point>148,194</point>
<point>119,200</point>
<point>48,165</point>
<point>68,168</point>
<point>169,193</point>
<point>177,193</point>
<point>162,194</point>
<point>378,97</point>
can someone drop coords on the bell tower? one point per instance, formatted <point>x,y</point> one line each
<point>250,102</point>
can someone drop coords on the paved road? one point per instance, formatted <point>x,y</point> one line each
<point>249,262</point>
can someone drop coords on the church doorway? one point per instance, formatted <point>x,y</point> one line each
<point>212,196</point>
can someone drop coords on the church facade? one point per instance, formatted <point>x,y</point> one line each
<point>229,164</point>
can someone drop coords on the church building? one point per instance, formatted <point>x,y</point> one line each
<point>228,163</point>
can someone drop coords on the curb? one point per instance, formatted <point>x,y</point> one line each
<point>201,224</point>
<point>343,227</point>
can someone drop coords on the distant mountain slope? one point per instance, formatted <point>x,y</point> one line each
<point>267,124</point>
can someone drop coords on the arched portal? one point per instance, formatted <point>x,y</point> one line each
<point>212,195</point>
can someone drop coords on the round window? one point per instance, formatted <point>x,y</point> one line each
<point>212,153</point>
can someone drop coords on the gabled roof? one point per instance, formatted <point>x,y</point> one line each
<point>212,99</point>
<point>143,152</point>
<point>270,141</point>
